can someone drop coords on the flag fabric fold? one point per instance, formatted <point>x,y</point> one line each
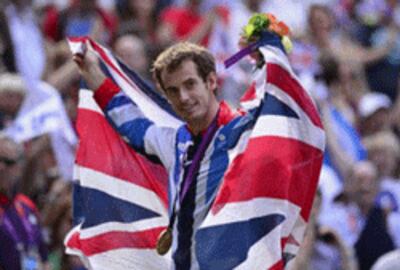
<point>120,198</point>
<point>259,214</point>
<point>263,205</point>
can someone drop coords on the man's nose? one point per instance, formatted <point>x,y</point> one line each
<point>183,95</point>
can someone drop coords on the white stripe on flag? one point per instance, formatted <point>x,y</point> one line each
<point>86,101</point>
<point>120,189</point>
<point>149,108</point>
<point>139,259</point>
<point>292,128</point>
<point>243,211</point>
<point>137,226</point>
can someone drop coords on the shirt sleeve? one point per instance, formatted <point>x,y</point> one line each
<point>154,142</point>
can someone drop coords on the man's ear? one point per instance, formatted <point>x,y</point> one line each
<point>212,81</point>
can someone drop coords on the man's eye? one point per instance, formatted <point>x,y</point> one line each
<point>190,83</point>
<point>171,91</point>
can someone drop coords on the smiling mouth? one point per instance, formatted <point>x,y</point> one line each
<point>188,109</point>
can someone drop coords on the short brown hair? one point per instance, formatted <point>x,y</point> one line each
<point>172,58</point>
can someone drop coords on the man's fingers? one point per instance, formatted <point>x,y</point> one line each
<point>78,59</point>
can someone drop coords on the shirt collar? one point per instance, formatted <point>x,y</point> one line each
<point>224,115</point>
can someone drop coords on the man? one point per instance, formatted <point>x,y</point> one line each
<point>358,218</point>
<point>196,154</point>
<point>186,22</point>
<point>374,110</point>
<point>22,245</point>
<point>18,23</point>
<point>186,73</point>
<point>12,94</point>
<point>132,51</point>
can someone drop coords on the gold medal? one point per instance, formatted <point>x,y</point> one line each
<point>164,241</point>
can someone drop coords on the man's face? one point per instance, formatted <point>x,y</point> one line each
<point>320,21</point>
<point>384,159</point>
<point>132,52</point>
<point>10,102</point>
<point>10,169</point>
<point>254,5</point>
<point>191,97</point>
<point>377,121</point>
<point>365,186</point>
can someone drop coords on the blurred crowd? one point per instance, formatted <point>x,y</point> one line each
<point>346,53</point>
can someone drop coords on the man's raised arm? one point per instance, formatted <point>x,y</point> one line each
<point>126,117</point>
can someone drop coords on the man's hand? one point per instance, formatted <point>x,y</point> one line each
<point>256,55</point>
<point>89,68</point>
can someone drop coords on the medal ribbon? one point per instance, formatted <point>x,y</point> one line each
<point>194,167</point>
<point>266,38</point>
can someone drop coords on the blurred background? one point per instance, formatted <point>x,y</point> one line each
<point>346,53</point>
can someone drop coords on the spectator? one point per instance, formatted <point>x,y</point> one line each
<point>185,23</point>
<point>40,170</point>
<point>322,38</point>
<point>374,111</point>
<point>292,12</point>
<point>22,245</point>
<point>384,151</point>
<point>57,218</point>
<point>350,209</point>
<point>343,141</point>
<point>374,240</point>
<point>132,51</point>
<point>322,248</point>
<point>12,94</point>
<point>239,16</point>
<point>81,18</point>
<point>139,18</point>
<point>358,219</point>
<point>223,43</point>
<point>18,24</point>
<point>379,26</point>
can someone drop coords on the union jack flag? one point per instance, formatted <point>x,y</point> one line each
<point>258,217</point>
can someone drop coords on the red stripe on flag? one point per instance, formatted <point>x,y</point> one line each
<point>115,240</point>
<point>282,79</point>
<point>73,241</point>
<point>290,172</point>
<point>250,93</point>
<point>291,240</point>
<point>78,39</point>
<point>102,149</point>
<point>288,240</point>
<point>278,266</point>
